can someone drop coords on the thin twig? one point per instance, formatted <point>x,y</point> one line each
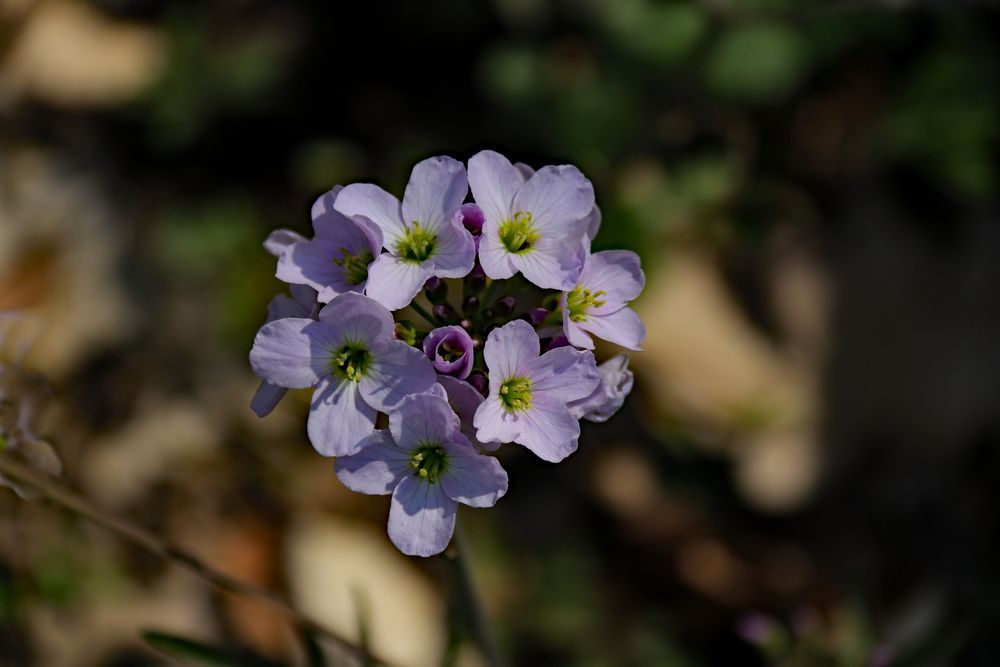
<point>480,624</point>
<point>76,504</point>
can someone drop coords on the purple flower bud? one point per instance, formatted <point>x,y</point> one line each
<point>471,217</point>
<point>476,280</point>
<point>505,306</point>
<point>488,314</point>
<point>445,313</point>
<point>450,351</point>
<point>436,290</point>
<point>557,342</point>
<point>479,381</point>
<point>536,316</point>
<point>470,305</point>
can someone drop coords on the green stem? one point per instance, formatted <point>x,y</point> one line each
<point>423,313</point>
<point>479,624</point>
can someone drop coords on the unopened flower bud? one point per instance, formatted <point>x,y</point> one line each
<point>445,313</point>
<point>436,290</point>
<point>470,305</point>
<point>476,280</point>
<point>557,341</point>
<point>505,306</point>
<point>536,316</point>
<point>471,217</point>
<point>406,332</point>
<point>488,314</point>
<point>479,381</point>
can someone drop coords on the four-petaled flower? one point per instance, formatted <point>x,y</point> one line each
<point>302,303</point>
<point>531,225</point>
<point>349,354</point>
<point>429,467</point>
<point>529,393</point>
<point>610,394</point>
<point>421,235</point>
<point>337,260</point>
<point>597,304</point>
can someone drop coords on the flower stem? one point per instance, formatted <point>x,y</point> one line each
<point>431,320</point>
<point>62,497</point>
<point>465,588</point>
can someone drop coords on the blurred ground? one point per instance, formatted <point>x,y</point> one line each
<point>807,473</point>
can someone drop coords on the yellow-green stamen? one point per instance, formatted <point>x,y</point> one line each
<point>355,266</point>
<point>518,234</point>
<point>351,361</point>
<point>429,461</point>
<point>515,394</point>
<point>580,300</point>
<point>416,244</point>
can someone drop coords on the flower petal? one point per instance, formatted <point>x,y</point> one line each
<point>294,352</point>
<point>437,187</point>
<point>421,517</point>
<point>456,339</point>
<point>493,256</point>
<point>283,306</point>
<point>548,429</point>
<point>266,398</point>
<point>623,327</point>
<point>472,478</point>
<point>464,399</point>
<point>618,273</point>
<point>279,240</point>
<point>311,263</point>
<point>574,332</point>
<point>395,371</point>
<point>494,182</point>
<point>559,199</point>
<point>358,318</point>
<point>565,374</point>
<point>372,203</point>
<point>339,419</point>
<point>394,282</point>
<point>454,251</point>
<point>376,469</point>
<point>592,222</point>
<point>552,263</point>
<point>494,424</point>
<point>610,394</point>
<point>422,419</point>
<point>508,351</point>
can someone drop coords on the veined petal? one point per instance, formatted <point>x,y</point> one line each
<point>472,478</point>
<point>559,198</point>
<point>553,263</point>
<point>616,272</point>
<point>282,306</point>
<point>394,282</point>
<point>376,469</point>
<point>509,350</point>
<point>421,517</point>
<point>437,187</point>
<point>524,169</point>
<point>548,429</point>
<point>305,297</point>
<point>610,394</point>
<point>464,399</point>
<point>339,420</point>
<point>494,182</point>
<point>454,251</point>
<point>592,222</point>
<point>279,240</point>
<point>565,374</point>
<point>493,256</point>
<point>312,263</point>
<point>575,334</point>
<point>358,318</point>
<point>395,371</point>
<point>422,419</point>
<point>623,327</point>
<point>372,203</point>
<point>494,424</point>
<point>266,398</point>
<point>294,352</point>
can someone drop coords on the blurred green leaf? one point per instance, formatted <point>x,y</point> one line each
<point>510,73</point>
<point>660,32</point>
<point>756,61</point>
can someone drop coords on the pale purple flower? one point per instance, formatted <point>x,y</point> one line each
<point>529,393</point>
<point>302,303</point>
<point>597,304</point>
<point>592,221</point>
<point>338,259</point>
<point>533,225</point>
<point>421,235</point>
<point>465,399</point>
<point>471,217</point>
<point>278,241</point>
<point>429,467</point>
<point>610,394</point>
<point>350,355</point>
<point>450,350</point>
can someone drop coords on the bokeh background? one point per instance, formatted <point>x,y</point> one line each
<point>808,470</point>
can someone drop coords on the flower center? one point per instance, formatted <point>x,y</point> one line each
<point>355,266</point>
<point>428,461</point>
<point>580,300</point>
<point>417,244</point>
<point>515,394</point>
<point>351,361</point>
<point>518,235</point>
<point>449,352</point>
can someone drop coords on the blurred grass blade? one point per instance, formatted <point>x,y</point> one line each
<point>199,653</point>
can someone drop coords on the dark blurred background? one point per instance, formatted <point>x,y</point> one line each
<point>808,470</point>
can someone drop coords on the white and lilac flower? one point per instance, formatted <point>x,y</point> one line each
<point>610,394</point>
<point>529,393</point>
<point>450,350</point>
<point>429,467</point>
<point>350,356</point>
<point>592,221</point>
<point>338,259</point>
<point>302,303</point>
<point>465,399</point>
<point>421,234</point>
<point>598,303</point>
<point>533,226</point>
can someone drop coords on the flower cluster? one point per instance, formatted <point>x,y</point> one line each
<point>510,297</point>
